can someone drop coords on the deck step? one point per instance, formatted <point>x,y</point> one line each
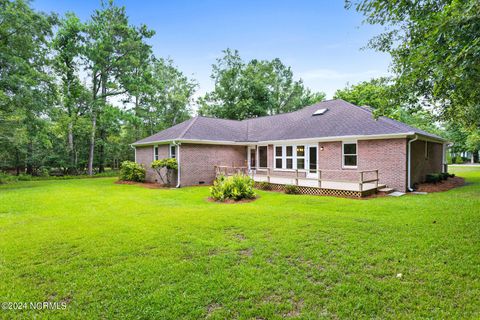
<point>386,190</point>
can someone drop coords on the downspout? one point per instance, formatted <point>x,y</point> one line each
<point>178,162</point>
<point>134,150</point>
<point>409,170</point>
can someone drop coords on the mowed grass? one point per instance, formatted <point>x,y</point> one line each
<point>127,252</point>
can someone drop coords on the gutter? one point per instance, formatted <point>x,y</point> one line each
<point>409,170</point>
<point>178,162</point>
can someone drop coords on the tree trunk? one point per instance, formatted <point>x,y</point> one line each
<point>92,144</point>
<point>71,154</point>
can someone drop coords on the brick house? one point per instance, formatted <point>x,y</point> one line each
<point>330,142</point>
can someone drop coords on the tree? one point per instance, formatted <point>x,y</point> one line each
<point>74,97</point>
<point>435,49</point>
<point>382,96</point>
<point>26,86</point>
<point>168,100</point>
<point>111,49</point>
<point>253,89</point>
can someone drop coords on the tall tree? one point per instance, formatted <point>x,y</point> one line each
<point>26,87</point>
<point>74,97</point>
<point>435,47</point>
<point>111,49</point>
<point>257,88</point>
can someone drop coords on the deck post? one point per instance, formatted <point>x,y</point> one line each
<point>376,176</point>
<point>268,174</point>
<point>360,184</point>
<point>296,177</point>
<point>320,179</point>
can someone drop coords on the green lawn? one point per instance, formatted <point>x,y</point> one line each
<point>123,251</point>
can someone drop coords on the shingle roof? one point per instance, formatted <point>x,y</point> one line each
<point>341,119</point>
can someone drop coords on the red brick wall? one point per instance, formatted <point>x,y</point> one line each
<point>386,155</point>
<point>197,161</point>
<point>145,157</point>
<point>422,166</point>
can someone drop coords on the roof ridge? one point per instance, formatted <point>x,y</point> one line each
<point>188,127</point>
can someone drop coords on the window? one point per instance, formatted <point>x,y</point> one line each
<point>349,154</point>
<point>290,157</point>
<point>173,151</point>
<point>278,157</point>
<point>300,157</point>
<point>155,153</point>
<point>262,156</point>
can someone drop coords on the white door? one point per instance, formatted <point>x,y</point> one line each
<point>312,161</point>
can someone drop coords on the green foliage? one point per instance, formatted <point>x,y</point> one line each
<point>235,187</point>
<point>458,159</point>
<point>264,185</point>
<point>435,50</point>
<point>291,189</point>
<point>435,177</point>
<point>255,88</point>
<point>132,171</point>
<point>383,97</point>
<point>50,115</point>
<point>168,163</point>
<point>165,169</point>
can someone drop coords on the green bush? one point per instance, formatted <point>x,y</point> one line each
<point>433,177</point>
<point>236,187</point>
<point>291,189</point>
<point>458,160</point>
<point>445,175</point>
<point>165,169</point>
<point>132,171</point>
<point>264,185</point>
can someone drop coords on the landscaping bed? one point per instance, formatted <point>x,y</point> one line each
<point>440,186</point>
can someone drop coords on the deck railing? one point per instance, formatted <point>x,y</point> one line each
<point>230,170</point>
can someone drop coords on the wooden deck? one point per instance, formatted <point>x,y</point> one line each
<point>330,182</point>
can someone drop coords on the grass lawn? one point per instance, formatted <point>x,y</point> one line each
<point>124,251</point>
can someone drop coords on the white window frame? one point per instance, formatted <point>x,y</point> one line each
<point>155,152</point>
<point>349,154</point>
<point>170,151</point>
<point>301,157</point>
<point>294,157</point>
<point>275,157</point>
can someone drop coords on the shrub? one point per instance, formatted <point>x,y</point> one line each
<point>165,168</point>
<point>291,189</point>
<point>264,185</point>
<point>458,160</point>
<point>433,177</point>
<point>451,175</point>
<point>132,171</point>
<point>445,175</point>
<point>236,187</point>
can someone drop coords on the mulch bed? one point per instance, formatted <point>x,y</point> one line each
<point>231,201</point>
<point>148,185</point>
<point>444,185</point>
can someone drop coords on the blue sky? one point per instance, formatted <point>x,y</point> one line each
<point>320,39</point>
